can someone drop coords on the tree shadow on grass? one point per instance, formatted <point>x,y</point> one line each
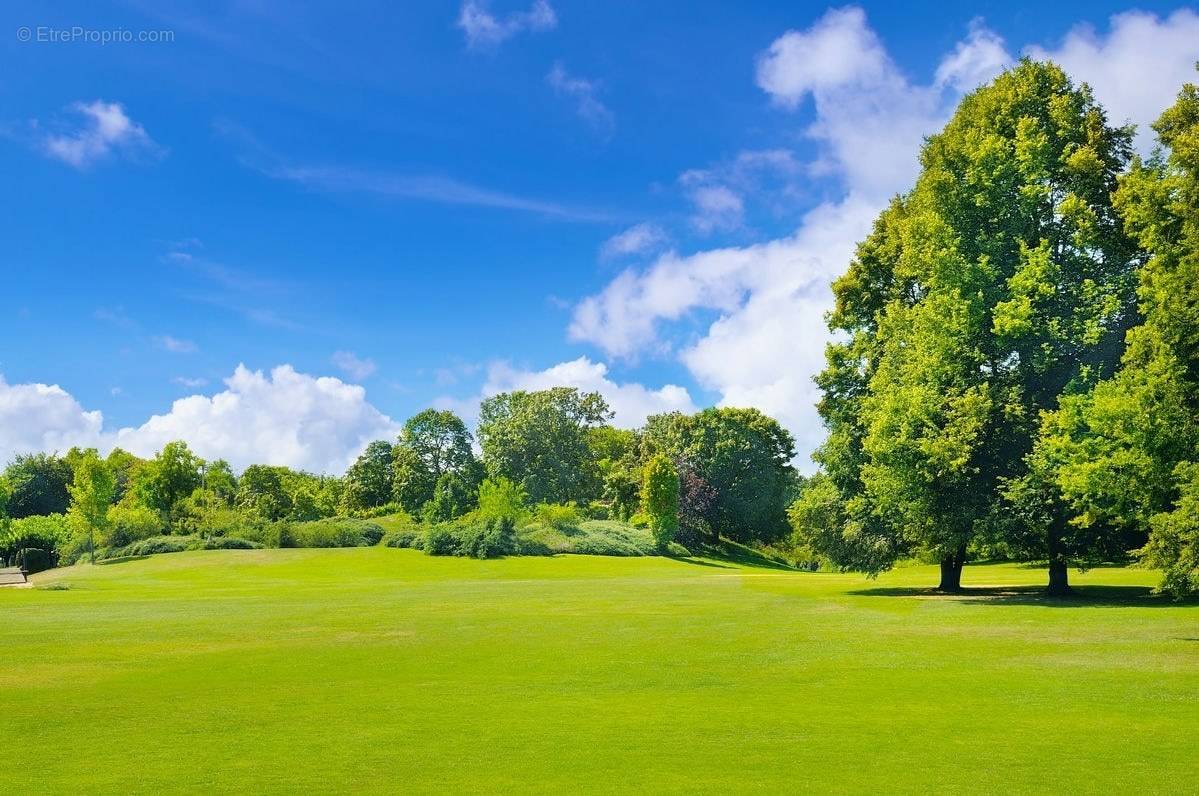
<point>120,560</point>
<point>700,562</point>
<point>1083,596</point>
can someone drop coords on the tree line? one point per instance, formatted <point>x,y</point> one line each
<point>1016,371</point>
<point>688,478</point>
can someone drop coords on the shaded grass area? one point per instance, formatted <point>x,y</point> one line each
<point>386,670</point>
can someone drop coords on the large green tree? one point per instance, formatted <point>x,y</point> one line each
<point>164,482</point>
<point>1000,283</point>
<point>92,489</point>
<point>741,455</point>
<point>38,484</point>
<point>540,440</point>
<point>433,443</point>
<point>368,482</point>
<point>1126,456</point>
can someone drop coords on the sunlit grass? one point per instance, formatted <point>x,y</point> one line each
<point>393,671</point>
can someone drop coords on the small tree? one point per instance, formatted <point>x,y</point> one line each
<point>91,491</point>
<point>660,498</point>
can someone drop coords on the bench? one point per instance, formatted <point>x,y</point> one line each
<point>12,576</point>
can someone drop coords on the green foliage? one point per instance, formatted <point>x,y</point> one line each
<point>557,515</point>
<point>37,485</point>
<point>130,523</point>
<point>743,455</point>
<point>45,532</point>
<point>124,466</point>
<point>592,537</point>
<point>35,559</point>
<point>1124,456</point>
<point>622,490</point>
<point>1002,282</point>
<point>660,498</point>
<point>333,532</point>
<point>368,482</point>
<point>433,444</point>
<point>166,480</point>
<point>92,490</point>
<point>499,497</point>
<point>541,440</point>
<point>453,496</point>
<point>260,493</point>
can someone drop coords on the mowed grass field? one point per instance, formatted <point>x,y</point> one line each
<point>387,670</point>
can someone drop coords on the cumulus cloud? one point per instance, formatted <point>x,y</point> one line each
<point>583,92</point>
<point>106,129</point>
<point>636,239</point>
<point>630,402</point>
<point>44,417</point>
<point>868,121</point>
<point>1137,68</point>
<point>352,365</point>
<point>285,417</point>
<point>485,29</point>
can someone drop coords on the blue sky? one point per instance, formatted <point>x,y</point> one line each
<point>437,201</point>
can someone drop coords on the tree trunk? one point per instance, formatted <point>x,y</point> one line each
<point>1059,573</point>
<point>1059,580</point>
<point>951,571</point>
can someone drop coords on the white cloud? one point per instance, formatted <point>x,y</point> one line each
<point>106,128</point>
<point>42,417</point>
<point>191,383</point>
<point>630,402</point>
<point>974,61</point>
<point>285,417</point>
<point>717,207</point>
<point>175,345</point>
<point>484,29</point>
<point>1137,69</point>
<point>840,50</point>
<point>583,92</point>
<point>634,240</point>
<point>767,341</point>
<point>352,365</point>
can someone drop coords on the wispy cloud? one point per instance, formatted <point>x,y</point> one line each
<point>337,178</point>
<point>352,365</point>
<point>634,240</point>
<point>175,345</point>
<point>190,383</point>
<point>116,316</point>
<point>484,29</point>
<point>583,92</point>
<point>105,129</point>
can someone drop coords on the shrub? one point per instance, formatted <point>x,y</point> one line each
<point>491,538</point>
<point>439,541</point>
<point>597,510</point>
<point>266,534</point>
<point>333,532</point>
<point>151,546</point>
<point>660,498</point>
<point>378,511</point>
<point>404,537</point>
<point>228,543</point>
<point>500,497</point>
<point>561,516</point>
<point>130,523</point>
<point>35,559</point>
<point>43,532</point>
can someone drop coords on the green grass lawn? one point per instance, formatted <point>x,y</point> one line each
<point>387,670</point>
